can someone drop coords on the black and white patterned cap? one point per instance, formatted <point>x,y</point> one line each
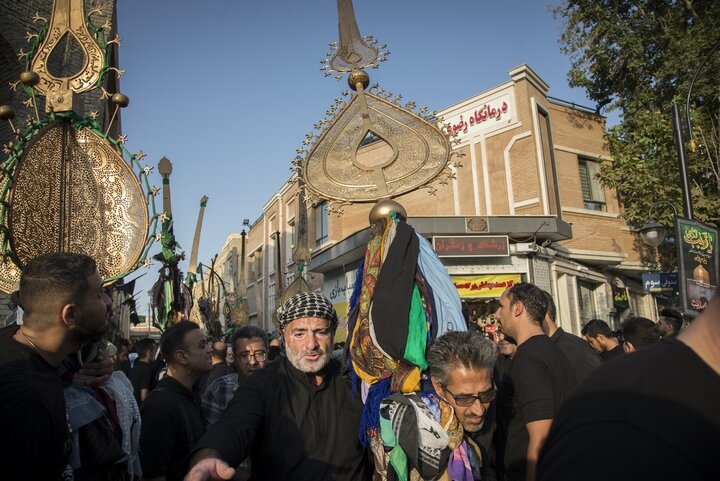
<point>306,304</point>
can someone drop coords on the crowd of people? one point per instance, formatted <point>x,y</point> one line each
<point>536,402</point>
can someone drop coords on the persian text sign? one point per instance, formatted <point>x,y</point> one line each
<point>484,286</point>
<point>698,245</point>
<point>488,115</point>
<point>660,281</point>
<point>471,246</point>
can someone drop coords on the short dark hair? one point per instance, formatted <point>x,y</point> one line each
<point>174,338</point>
<point>532,298</point>
<point>248,332</point>
<point>596,326</point>
<point>551,309</point>
<point>674,318</point>
<point>219,352</point>
<point>640,332</point>
<point>455,349</point>
<point>143,346</point>
<point>60,274</point>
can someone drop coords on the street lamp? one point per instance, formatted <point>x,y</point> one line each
<point>653,233</point>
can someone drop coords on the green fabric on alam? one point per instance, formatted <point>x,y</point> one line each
<point>399,462</point>
<point>417,332</point>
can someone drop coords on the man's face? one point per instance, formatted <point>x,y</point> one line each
<point>198,351</point>
<point>664,326</point>
<point>504,315</point>
<point>250,355</point>
<point>506,347</point>
<point>229,356</point>
<point>93,310</point>
<point>466,382</point>
<point>308,343</point>
<point>595,343</point>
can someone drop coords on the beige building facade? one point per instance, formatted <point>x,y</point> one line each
<point>524,206</point>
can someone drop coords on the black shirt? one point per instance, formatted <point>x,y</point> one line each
<point>217,371</point>
<point>35,443</point>
<point>654,414</point>
<point>141,378</point>
<point>582,357</point>
<point>292,429</point>
<point>538,380</point>
<point>616,351</point>
<point>171,425</point>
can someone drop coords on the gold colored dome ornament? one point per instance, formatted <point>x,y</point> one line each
<point>383,208</point>
<point>701,274</point>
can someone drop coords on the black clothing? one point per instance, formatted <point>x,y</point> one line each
<point>483,438</point>
<point>35,443</point>
<point>292,429</point>
<point>658,409</point>
<point>141,378</point>
<point>538,380</point>
<point>172,423</point>
<point>503,411</point>
<point>616,351</point>
<point>218,370</point>
<point>582,357</point>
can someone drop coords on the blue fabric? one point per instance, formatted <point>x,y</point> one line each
<point>446,297</point>
<point>370,420</point>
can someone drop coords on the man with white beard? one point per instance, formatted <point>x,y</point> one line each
<point>297,418</point>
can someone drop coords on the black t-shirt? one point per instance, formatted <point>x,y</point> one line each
<point>538,380</point>
<point>654,413</point>
<point>35,443</point>
<point>583,358</point>
<point>613,353</point>
<point>141,377</point>
<point>171,425</point>
<point>292,429</point>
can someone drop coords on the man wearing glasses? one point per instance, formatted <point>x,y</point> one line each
<point>540,378</point>
<point>250,348</point>
<point>461,367</point>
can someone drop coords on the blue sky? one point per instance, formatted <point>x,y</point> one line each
<point>227,89</point>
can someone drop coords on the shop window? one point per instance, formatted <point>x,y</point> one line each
<point>593,193</point>
<point>321,223</point>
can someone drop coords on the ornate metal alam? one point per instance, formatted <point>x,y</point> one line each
<point>370,147</point>
<point>66,185</point>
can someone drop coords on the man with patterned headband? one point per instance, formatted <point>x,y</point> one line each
<point>297,418</point>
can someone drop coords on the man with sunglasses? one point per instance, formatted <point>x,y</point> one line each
<point>461,367</point>
<point>539,379</point>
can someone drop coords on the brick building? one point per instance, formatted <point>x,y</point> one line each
<point>525,201</point>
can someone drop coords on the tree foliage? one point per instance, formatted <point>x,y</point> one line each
<point>638,57</point>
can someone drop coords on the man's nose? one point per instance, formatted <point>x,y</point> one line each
<point>478,408</point>
<point>251,360</point>
<point>311,341</point>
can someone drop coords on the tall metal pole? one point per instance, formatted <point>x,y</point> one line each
<point>682,161</point>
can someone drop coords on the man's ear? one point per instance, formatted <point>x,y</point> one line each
<point>69,315</point>
<point>628,347</point>
<point>436,385</point>
<point>180,357</point>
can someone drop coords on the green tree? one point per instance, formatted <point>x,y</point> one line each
<point>638,57</point>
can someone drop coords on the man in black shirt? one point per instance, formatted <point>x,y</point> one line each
<point>582,357</point>
<point>65,305</point>
<point>297,418</point>
<point>172,420</point>
<point>141,375</point>
<point>657,410</point>
<point>538,380</point>
<point>670,322</point>
<point>601,338</point>
<point>219,367</point>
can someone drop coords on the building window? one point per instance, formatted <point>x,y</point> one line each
<point>272,297</point>
<point>321,223</point>
<point>289,242</point>
<point>593,193</point>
